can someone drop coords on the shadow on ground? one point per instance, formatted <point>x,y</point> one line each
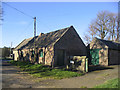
<point>95,68</point>
<point>7,68</point>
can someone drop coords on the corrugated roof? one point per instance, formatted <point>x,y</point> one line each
<point>111,44</point>
<point>44,40</point>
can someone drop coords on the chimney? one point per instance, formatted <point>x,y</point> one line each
<point>41,34</point>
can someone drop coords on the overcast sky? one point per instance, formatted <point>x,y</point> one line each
<point>50,16</point>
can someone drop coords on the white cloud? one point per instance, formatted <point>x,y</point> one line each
<point>16,23</point>
<point>23,23</point>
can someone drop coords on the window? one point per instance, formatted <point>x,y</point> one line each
<point>41,53</point>
<point>32,53</point>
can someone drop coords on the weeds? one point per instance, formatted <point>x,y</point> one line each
<point>39,70</point>
<point>113,83</point>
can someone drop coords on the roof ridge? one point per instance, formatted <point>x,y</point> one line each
<point>63,33</point>
<point>109,41</point>
<point>58,30</point>
<point>45,39</point>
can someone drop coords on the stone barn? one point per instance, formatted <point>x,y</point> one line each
<point>104,52</point>
<point>52,48</point>
<point>16,50</point>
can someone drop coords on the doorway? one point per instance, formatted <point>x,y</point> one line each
<point>94,56</point>
<point>60,57</point>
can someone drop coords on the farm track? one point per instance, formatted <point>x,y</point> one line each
<point>12,77</point>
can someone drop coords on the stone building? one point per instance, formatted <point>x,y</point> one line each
<point>104,52</point>
<point>52,48</point>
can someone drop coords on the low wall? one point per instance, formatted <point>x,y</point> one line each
<point>78,63</point>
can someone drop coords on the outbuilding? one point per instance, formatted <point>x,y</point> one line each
<point>52,48</point>
<point>104,52</point>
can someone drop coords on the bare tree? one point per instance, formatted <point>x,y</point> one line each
<point>1,11</point>
<point>105,26</point>
<point>102,24</point>
<point>90,34</point>
<point>87,39</point>
<point>118,31</point>
<point>113,25</point>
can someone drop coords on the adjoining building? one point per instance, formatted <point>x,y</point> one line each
<point>104,52</point>
<point>52,48</point>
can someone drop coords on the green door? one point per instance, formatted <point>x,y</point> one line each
<point>94,56</point>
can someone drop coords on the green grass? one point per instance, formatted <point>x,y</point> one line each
<point>113,83</point>
<point>39,70</point>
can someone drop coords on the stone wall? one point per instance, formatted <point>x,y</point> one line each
<point>49,55</point>
<point>79,63</point>
<point>47,58</point>
<point>103,57</point>
<point>26,55</point>
<point>106,56</point>
<point>95,44</point>
<point>103,52</point>
<point>41,59</point>
<point>15,55</point>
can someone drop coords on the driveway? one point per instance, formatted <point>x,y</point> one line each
<point>12,77</point>
<point>89,80</point>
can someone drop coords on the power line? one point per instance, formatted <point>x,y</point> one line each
<point>18,10</point>
<point>25,30</point>
<point>46,26</point>
<point>25,14</point>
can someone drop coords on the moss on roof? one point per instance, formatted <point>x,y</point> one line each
<point>23,43</point>
<point>42,41</point>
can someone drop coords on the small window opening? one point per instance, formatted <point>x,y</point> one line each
<point>41,53</point>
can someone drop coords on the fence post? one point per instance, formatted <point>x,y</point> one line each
<point>86,64</point>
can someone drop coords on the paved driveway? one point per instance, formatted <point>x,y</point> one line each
<point>12,77</point>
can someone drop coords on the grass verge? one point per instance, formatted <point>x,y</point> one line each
<point>39,70</point>
<point>113,83</point>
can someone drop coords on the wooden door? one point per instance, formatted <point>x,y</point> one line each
<point>60,57</point>
<point>94,56</point>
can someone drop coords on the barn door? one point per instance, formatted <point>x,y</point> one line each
<point>60,57</point>
<point>94,56</point>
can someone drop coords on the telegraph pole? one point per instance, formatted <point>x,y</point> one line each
<point>11,49</point>
<point>34,39</point>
